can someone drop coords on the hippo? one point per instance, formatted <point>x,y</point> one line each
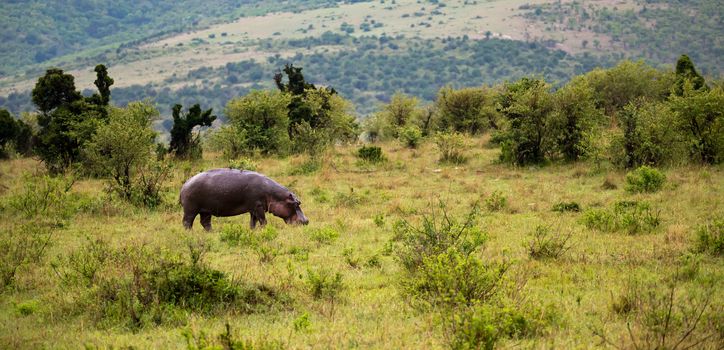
<point>229,192</point>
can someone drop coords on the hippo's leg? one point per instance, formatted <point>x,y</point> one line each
<point>206,221</point>
<point>252,221</point>
<point>189,219</point>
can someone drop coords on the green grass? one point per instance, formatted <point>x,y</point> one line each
<point>371,310</point>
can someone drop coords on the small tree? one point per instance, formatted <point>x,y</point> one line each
<point>123,149</point>
<point>647,137</point>
<point>466,110</point>
<point>8,130</point>
<point>685,71</point>
<point>699,116</point>
<point>574,116</point>
<point>184,144</point>
<point>260,121</point>
<point>528,106</point>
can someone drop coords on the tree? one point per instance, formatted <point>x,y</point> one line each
<point>123,150</point>
<point>574,116</point>
<point>685,71</point>
<point>183,143</point>
<point>53,90</point>
<point>700,118</point>
<point>103,82</point>
<point>260,121</point>
<point>67,120</point>
<point>466,110</point>
<point>8,130</point>
<point>527,105</point>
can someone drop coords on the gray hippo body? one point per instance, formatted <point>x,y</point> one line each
<point>229,192</point>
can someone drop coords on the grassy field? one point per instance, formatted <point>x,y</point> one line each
<point>361,202</point>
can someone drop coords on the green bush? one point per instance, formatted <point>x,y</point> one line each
<point>259,121</point>
<point>455,279</point>
<point>566,206</point>
<point>710,237</point>
<point>484,326</point>
<point>496,201</point>
<point>644,180</point>
<point>410,136</point>
<point>437,233</point>
<point>546,244</point>
<point>528,108</point>
<point>451,146</point>
<point>324,235</point>
<point>323,284</point>
<point>630,216</point>
<point>243,236</point>
<point>700,120</point>
<point>647,136</point>
<point>21,246</point>
<point>372,154</point>
<point>349,199</point>
<point>307,167</point>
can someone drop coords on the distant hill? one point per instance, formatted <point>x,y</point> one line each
<point>208,52</point>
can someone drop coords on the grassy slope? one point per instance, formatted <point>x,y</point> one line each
<point>372,314</point>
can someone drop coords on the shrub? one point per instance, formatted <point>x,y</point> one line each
<point>310,140</point>
<point>184,144</point>
<point>227,341</point>
<point>324,235</point>
<point>647,136</point>
<point>260,122</point>
<point>372,154</point>
<point>545,244</point>
<point>496,201</point>
<point>21,246</point>
<point>242,235</point>
<point>659,317</point>
<point>574,119</point>
<point>42,198</point>
<point>527,105</point>
<point>566,206</point>
<point>483,326</point>
<point>451,146</point>
<point>630,216</point>
<point>644,180</point>
<point>710,237</point>
<point>454,279</point>
<point>348,199</point>
<point>437,233</point>
<point>700,119</point>
<point>323,284</point>
<point>410,136</point>
<point>467,110</point>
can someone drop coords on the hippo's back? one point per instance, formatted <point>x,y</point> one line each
<point>221,190</point>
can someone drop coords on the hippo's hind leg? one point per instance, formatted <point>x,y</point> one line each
<point>206,221</point>
<point>189,219</point>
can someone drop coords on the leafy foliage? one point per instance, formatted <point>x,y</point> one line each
<point>645,179</point>
<point>183,143</point>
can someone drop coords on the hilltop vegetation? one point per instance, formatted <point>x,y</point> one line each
<point>37,31</point>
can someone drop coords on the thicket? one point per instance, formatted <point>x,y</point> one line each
<point>184,143</point>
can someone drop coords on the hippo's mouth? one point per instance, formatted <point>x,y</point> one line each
<point>294,220</point>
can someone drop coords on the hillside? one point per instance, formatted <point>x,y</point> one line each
<point>369,50</point>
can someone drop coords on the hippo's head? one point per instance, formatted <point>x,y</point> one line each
<point>289,209</point>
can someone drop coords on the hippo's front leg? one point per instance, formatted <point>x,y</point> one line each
<point>257,216</point>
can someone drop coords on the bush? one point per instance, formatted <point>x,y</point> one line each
<point>566,206</point>
<point>710,237</point>
<point>260,123</point>
<point>372,154</point>
<point>454,279</point>
<point>483,326</point>
<point>348,199</point>
<point>528,106</point>
<point>644,180</point>
<point>574,119</point>
<point>123,150</point>
<point>468,110</point>
<point>42,198</point>
<point>227,341</point>
<point>437,233</point>
<point>410,136</point>
<point>660,317</point>
<point>630,216</point>
<point>243,236</point>
<point>21,246</point>
<point>324,235</point>
<point>450,146</point>
<point>700,119</point>
<point>647,136</point>
<point>323,284</point>
<point>309,140</point>
<point>545,244</point>
<point>496,201</point>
